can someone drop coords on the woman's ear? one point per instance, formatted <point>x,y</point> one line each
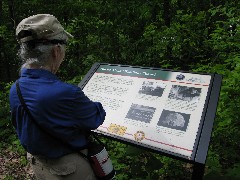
<point>56,50</point>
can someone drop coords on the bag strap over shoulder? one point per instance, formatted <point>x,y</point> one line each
<point>33,119</point>
<point>22,101</point>
<point>31,116</point>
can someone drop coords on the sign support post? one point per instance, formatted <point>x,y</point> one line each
<point>198,171</point>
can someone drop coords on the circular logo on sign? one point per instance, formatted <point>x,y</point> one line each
<point>180,77</point>
<point>139,135</point>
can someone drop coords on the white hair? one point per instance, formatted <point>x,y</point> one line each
<point>37,55</point>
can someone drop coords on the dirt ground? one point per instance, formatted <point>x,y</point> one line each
<point>14,166</point>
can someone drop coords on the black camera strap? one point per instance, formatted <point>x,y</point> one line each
<point>23,102</point>
<point>95,148</point>
<point>25,108</point>
<point>32,118</point>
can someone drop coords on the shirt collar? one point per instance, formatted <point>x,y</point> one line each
<point>37,73</point>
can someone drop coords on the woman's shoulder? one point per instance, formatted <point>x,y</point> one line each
<point>67,87</point>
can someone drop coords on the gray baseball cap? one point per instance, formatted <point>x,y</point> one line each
<point>41,26</point>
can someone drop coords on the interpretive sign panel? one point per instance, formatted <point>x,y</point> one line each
<point>159,109</point>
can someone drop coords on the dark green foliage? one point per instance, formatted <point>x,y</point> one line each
<point>200,36</point>
<point>6,130</point>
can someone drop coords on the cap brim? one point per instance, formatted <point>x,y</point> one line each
<point>64,35</point>
<point>68,35</point>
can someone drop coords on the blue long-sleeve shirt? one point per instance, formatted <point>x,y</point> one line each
<point>62,111</point>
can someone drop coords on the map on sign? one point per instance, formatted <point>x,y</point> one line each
<point>150,107</point>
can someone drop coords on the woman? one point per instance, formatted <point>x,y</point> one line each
<point>60,115</point>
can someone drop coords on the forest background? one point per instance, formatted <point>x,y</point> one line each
<point>189,35</point>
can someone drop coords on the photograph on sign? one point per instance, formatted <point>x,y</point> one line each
<point>157,108</point>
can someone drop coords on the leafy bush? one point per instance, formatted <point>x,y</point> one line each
<point>201,36</point>
<point>7,132</point>
<point>224,153</point>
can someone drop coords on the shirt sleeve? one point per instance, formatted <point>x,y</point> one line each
<point>87,114</point>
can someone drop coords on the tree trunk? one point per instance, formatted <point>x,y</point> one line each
<point>8,67</point>
<point>166,13</point>
<point>1,45</point>
<point>167,20</point>
<point>11,13</point>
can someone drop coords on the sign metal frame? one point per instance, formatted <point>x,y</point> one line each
<point>202,142</point>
